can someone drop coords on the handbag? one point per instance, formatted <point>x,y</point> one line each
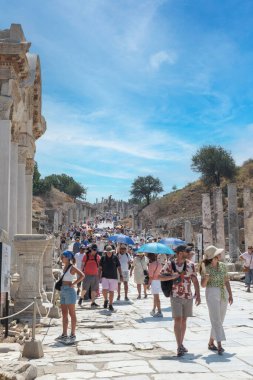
<point>246,268</point>
<point>146,276</point>
<point>58,284</point>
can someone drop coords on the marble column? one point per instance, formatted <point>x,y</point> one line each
<point>21,199</point>
<point>48,278</point>
<point>219,219</point>
<point>206,220</point>
<point>233,229</point>
<point>30,249</point>
<point>5,159</point>
<point>188,231</point>
<point>29,193</point>
<point>13,202</point>
<point>248,217</point>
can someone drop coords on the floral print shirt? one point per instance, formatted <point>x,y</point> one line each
<point>217,277</point>
<point>182,286</point>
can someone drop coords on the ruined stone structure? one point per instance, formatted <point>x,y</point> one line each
<point>21,124</point>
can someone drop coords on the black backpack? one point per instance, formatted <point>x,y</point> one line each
<point>167,285</point>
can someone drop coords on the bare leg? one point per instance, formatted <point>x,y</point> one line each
<point>145,290</point>
<point>126,288</point>
<point>64,309</point>
<point>139,290</point>
<point>183,328</point>
<point>72,313</point>
<point>105,293</point>
<point>119,286</point>
<point>93,295</point>
<point>111,295</point>
<point>178,330</point>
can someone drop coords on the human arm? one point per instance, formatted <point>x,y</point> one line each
<point>80,274</point>
<point>228,287</point>
<point>196,287</point>
<point>204,280</point>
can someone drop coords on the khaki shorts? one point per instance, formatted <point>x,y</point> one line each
<point>181,307</point>
<point>90,282</point>
<point>125,275</point>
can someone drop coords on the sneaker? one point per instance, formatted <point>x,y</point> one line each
<point>159,314</point>
<point>118,298</point>
<point>94,304</point>
<point>71,339</point>
<point>152,313</point>
<point>111,308</point>
<point>126,299</point>
<point>105,304</point>
<point>80,301</point>
<point>62,337</point>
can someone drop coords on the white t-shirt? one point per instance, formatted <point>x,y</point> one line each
<point>248,259</point>
<point>79,258</point>
<point>124,261</point>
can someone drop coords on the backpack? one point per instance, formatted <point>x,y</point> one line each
<point>88,258</point>
<point>167,285</point>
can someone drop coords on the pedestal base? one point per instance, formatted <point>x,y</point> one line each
<point>33,350</point>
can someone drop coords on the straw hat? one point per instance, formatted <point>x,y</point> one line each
<point>211,251</point>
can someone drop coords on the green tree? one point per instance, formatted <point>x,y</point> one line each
<point>213,162</point>
<point>66,184</point>
<point>146,188</point>
<point>39,185</point>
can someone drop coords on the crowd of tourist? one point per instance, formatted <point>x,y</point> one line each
<point>90,258</point>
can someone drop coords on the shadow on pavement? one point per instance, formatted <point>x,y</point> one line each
<point>153,319</point>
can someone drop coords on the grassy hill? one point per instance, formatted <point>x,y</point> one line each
<point>186,202</point>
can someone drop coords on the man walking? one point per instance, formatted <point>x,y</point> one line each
<point>247,257</point>
<point>76,245</point>
<point>91,280</point>
<point>125,264</point>
<point>108,271</point>
<point>79,263</point>
<point>182,297</point>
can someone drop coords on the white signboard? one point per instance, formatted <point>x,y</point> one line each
<point>5,260</point>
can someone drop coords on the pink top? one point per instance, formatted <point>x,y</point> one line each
<point>154,270</point>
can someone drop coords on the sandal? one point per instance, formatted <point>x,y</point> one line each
<point>220,350</point>
<point>184,349</point>
<point>212,347</point>
<point>180,352</point>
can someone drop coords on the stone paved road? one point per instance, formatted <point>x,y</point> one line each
<point>130,344</point>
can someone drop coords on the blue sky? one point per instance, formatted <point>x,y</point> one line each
<point>135,87</point>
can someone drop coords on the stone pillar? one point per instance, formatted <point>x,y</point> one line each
<point>21,203</point>
<point>5,159</point>
<point>29,193</point>
<point>233,229</point>
<point>219,219</point>
<point>188,231</point>
<point>48,279</point>
<point>30,249</point>
<point>248,217</point>
<point>13,202</point>
<point>206,220</point>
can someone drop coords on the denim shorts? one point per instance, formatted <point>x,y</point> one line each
<point>68,295</point>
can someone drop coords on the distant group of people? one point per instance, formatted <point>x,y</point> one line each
<point>86,266</point>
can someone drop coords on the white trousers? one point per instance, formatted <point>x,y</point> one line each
<point>217,307</point>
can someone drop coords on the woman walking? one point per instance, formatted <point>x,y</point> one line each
<point>215,279</point>
<point>154,269</point>
<point>68,296</point>
<point>140,269</point>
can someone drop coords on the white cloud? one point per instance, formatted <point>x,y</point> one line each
<point>161,57</point>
